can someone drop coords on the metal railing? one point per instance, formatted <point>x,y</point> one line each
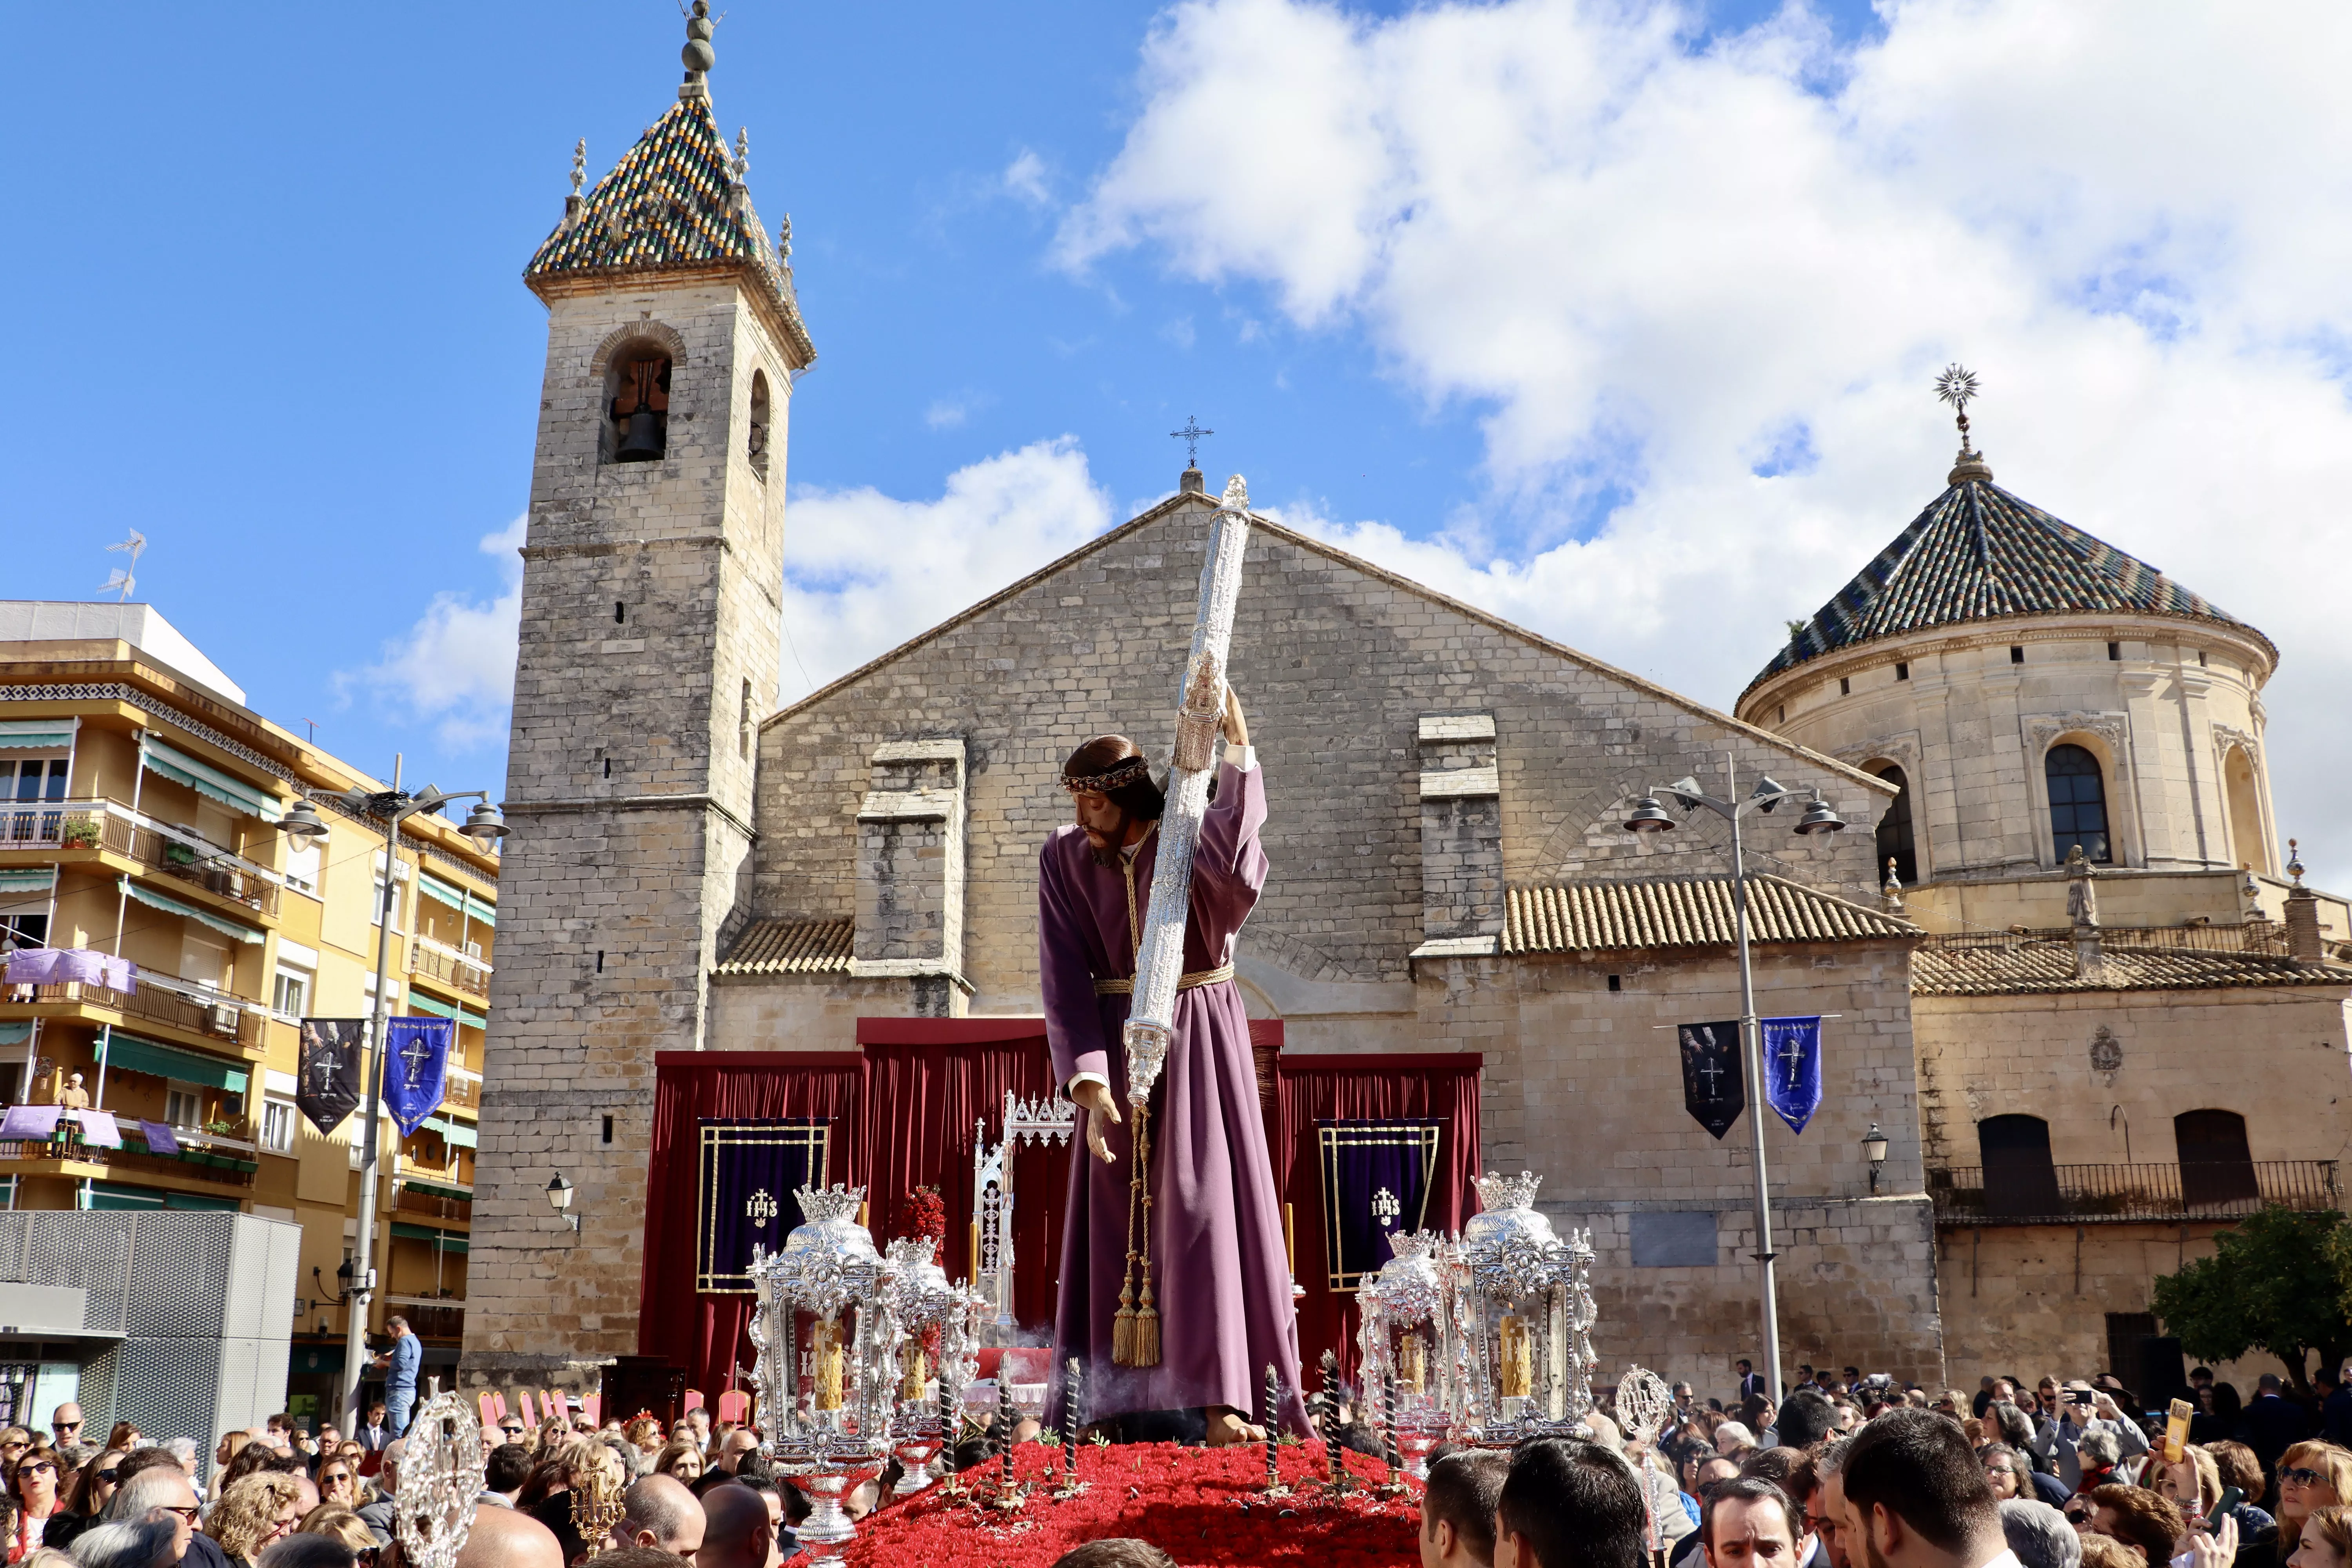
<point>448,966</point>
<point>2257,936</point>
<point>2090,1195</point>
<point>192,1163</point>
<point>164,999</point>
<point>431,1319</point>
<point>101,823</point>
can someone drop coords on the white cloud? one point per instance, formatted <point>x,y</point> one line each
<point>1025,180</point>
<point>946,413</point>
<point>864,572</point>
<point>454,667</point>
<point>1660,272</point>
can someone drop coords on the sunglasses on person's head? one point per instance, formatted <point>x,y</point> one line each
<point>107,1474</point>
<point>2300,1476</point>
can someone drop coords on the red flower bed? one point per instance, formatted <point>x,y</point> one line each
<point>1201,1506</point>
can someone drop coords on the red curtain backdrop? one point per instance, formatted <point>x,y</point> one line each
<point>1311,1089</point>
<point>929,1082</point>
<point>903,1109</point>
<point>705,1333</point>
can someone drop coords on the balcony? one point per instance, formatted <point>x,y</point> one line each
<point>175,852</point>
<point>431,1317</point>
<point>163,1001</point>
<point>217,1165</point>
<point>465,1087</point>
<point>2121,1194</point>
<point>447,966</point>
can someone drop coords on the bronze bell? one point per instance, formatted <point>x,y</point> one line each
<point>641,437</point>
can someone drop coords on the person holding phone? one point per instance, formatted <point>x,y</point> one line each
<point>2083,1409</point>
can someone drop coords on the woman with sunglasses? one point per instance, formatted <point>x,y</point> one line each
<point>339,1485</point>
<point>2310,1476</point>
<point>86,1497</point>
<point>33,1486</point>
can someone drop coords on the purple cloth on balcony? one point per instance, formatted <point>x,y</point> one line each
<point>159,1138</point>
<point>98,1129</point>
<point>60,965</point>
<point>30,1122</point>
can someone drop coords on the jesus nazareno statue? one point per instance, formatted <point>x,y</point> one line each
<point>1203,1233</point>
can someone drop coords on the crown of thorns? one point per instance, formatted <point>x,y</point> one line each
<point>1116,776</point>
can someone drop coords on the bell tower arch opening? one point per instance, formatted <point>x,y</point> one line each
<point>636,404</point>
<point>2242,790</point>
<point>1897,842</point>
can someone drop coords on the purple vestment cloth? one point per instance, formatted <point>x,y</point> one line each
<point>36,1123</point>
<point>98,1129</point>
<point>1219,1272</point>
<point>159,1139</point>
<point>57,965</point>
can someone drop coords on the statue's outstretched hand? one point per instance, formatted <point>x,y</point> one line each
<point>1102,1111</point>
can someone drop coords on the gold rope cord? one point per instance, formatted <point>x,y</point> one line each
<point>1135,1331</point>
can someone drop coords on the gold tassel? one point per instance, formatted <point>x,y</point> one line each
<point>1147,1317</point>
<point>1122,1327</point>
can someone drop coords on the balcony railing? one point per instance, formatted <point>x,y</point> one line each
<point>164,999</point>
<point>173,851</point>
<point>465,1089</point>
<point>2094,1195</point>
<point>448,966</point>
<point>2260,936</point>
<point>218,1165</point>
<point>431,1318</point>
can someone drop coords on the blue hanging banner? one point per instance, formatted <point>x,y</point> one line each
<point>416,1068</point>
<point>1792,1068</point>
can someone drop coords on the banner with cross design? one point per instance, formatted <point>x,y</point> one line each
<point>417,1069</point>
<point>746,1170</point>
<point>1792,1068</point>
<point>1376,1178</point>
<point>1712,1091</point>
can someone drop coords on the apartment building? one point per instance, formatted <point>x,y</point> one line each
<point>140,804</point>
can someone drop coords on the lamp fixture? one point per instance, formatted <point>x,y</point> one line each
<point>1820,818</point>
<point>301,823</point>
<point>1873,1149</point>
<point>559,1198</point>
<point>485,826</point>
<point>1649,816</point>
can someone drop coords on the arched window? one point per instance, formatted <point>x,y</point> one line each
<point>2245,811</point>
<point>2216,1166</point>
<point>2020,1181</point>
<point>1895,842</point>
<point>638,389</point>
<point>755,447</point>
<point>2078,804</point>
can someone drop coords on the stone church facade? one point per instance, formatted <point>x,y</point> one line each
<point>692,871</point>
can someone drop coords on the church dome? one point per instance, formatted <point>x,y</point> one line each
<point>1980,553</point>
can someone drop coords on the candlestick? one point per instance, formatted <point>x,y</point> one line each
<point>1273,1487</point>
<point>1073,1384</point>
<point>1007,1415</point>
<point>1338,1481</point>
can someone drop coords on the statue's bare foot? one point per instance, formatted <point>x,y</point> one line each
<point>1227,1427</point>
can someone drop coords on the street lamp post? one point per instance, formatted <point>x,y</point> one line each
<point>1649,816</point>
<point>485,826</point>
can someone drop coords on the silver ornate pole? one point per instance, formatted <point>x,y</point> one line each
<point>1151,1023</point>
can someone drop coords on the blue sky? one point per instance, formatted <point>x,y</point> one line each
<point>1586,313</point>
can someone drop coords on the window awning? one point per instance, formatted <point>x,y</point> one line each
<point>155,901</point>
<point>209,781</point>
<point>462,899</point>
<point>29,879</point>
<point>114,1196</point>
<point>447,1241</point>
<point>432,1189</point>
<point>420,1003</point>
<point>15,1034</point>
<point>37,734</point>
<point>451,1131</point>
<point>129,1053</point>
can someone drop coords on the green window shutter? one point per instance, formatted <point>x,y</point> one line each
<point>130,1053</point>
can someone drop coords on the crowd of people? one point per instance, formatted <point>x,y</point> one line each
<point>1846,1472</point>
<point>280,1496</point>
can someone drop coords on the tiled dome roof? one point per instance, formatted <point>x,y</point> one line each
<point>676,200</point>
<point>1980,553</point>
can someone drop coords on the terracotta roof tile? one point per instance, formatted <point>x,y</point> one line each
<point>790,947</point>
<point>1980,553</point>
<point>673,201</point>
<point>1681,911</point>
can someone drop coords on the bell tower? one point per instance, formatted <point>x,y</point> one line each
<point>650,622</point>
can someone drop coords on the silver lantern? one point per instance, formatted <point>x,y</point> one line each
<point>826,1400</point>
<point>1403,1345</point>
<point>1522,1311</point>
<point>938,1357</point>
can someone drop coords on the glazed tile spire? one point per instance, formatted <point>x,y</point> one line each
<point>677,202</point>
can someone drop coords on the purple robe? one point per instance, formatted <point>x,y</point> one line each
<point>1219,1274</point>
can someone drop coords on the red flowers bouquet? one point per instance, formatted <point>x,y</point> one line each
<point>1204,1506</point>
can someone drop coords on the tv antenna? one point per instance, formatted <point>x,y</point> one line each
<point>121,577</point>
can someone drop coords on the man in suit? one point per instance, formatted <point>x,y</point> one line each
<point>1750,1379</point>
<point>372,1433</point>
<point>2273,1422</point>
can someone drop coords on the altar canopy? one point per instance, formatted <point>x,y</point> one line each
<point>901,1112</point>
